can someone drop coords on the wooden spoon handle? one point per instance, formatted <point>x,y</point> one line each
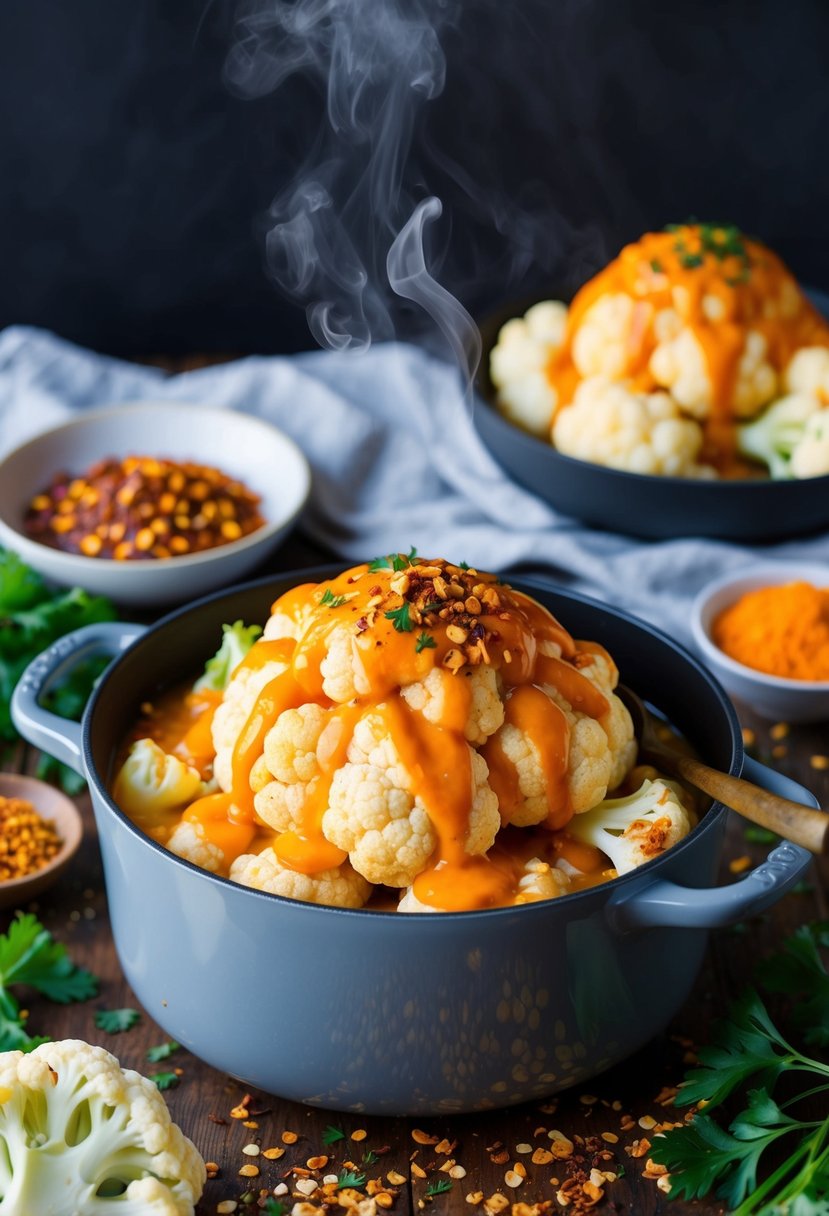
<point>801,825</point>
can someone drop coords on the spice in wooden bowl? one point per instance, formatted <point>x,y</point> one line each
<point>141,507</point>
<point>27,841</point>
<point>40,832</point>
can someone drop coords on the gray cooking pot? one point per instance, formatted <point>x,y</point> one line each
<point>390,1013</point>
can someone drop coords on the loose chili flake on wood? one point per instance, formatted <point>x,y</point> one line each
<point>141,507</point>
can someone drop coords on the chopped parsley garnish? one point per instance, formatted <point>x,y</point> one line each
<point>330,600</point>
<point>400,618</point>
<point>438,1186</point>
<point>433,606</point>
<point>162,1052</point>
<point>463,565</point>
<point>394,561</point>
<point>369,1157</point>
<point>332,1134</point>
<point>116,1021</point>
<point>691,260</point>
<point>350,1178</point>
<point>720,241</point>
<point>656,266</point>
<point>165,1080</point>
<point>274,1208</point>
<point>424,641</point>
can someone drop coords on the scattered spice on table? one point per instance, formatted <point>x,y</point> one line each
<point>141,507</point>
<point>780,630</point>
<point>27,841</point>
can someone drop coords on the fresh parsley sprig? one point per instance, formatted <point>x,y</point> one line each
<point>424,641</point>
<point>400,618</point>
<point>438,1186</point>
<point>330,600</point>
<point>748,1055</point>
<point>394,561</point>
<point>29,955</point>
<point>350,1178</point>
<point>117,1021</point>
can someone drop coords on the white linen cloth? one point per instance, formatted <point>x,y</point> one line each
<point>396,462</point>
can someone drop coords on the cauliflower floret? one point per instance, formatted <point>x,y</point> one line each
<point>80,1136</point>
<point>616,723</point>
<point>291,743</point>
<point>239,698</point>
<point>602,343</point>
<point>679,364</point>
<point>151,782</point>
<point>635,829</point>
<point>609,424</point>
<point>342,887</point>
<point>541,881</point>
<point>808,372</point>
<point>486,709</point>
<point>290,615</point>
<point>190,842</point>
<point>810,457</point>
<point>383,827</point>
<point>344,677</point>
<point>518,365</point>
<point>778,433</point>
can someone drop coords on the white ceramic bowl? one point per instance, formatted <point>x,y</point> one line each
<point>238,444</point>
<point>771,696</point>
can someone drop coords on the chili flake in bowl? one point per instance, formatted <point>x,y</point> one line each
<point>40,831</point>
<point>175,500</point>
<point>142,507</point>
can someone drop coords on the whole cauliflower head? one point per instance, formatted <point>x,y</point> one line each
<point>416,708</point>
<point>80,1136</point>
<point>609,424</point>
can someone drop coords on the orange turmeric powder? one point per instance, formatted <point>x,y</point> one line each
<point>780,630</point>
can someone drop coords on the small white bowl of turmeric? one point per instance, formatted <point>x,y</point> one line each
<point>764,631</point>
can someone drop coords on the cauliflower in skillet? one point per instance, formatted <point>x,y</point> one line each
<point>609,424</point>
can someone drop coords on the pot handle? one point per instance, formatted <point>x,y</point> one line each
<point>58,736</point>
<point>666,903</point>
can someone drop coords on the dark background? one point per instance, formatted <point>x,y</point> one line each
<point>134,184</point>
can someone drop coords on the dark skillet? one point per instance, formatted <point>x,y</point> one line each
<point>655,508</point>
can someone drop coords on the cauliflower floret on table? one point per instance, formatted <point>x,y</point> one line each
<point>342,887</point>
<point>611,425</point>
<point>486,708</point>
<point>633,830</point>
<point>375,817</point>
<point>518,365</point>
<point>80,1136</point>
<point>680,365</point>
<point>152,782</point>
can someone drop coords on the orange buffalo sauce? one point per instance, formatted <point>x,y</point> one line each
<point>398,624</point>
<point>721,284</point>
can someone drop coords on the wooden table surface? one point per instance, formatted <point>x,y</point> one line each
<point>484,1146</point>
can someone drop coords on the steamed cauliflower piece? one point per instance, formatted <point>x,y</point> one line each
<point>374,816</point>
<point>151,782</point>
<point>288,766</point>
<point>637,828</point>
<point>342,887</point>
<point>603,340</point>
<point>518,365</point>
<point>231,715</point>
<point>539,881</point>
<point>609,424</point>
<point>189,842</point>
<point>486,711</point>
<point>808,373</point>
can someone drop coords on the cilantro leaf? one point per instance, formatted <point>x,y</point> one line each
<point>330,600</point>
<point>116,1021</point>
<point>165,1080</point>
<point>369,1157</point>
<point>273,1207</point>
<point>424,641</point>
<point>162,1052</point>
<point>332,1134</point>
<point>393,561</point>
<point>30,955</point>
<point>439,1186</point>
<point>400,618</point>
<point>350,1178</point>
<point>380,563</point>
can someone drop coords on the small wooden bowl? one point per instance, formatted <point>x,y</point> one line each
<point>52,805</point>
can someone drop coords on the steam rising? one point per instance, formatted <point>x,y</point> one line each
<point>350,225</point>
